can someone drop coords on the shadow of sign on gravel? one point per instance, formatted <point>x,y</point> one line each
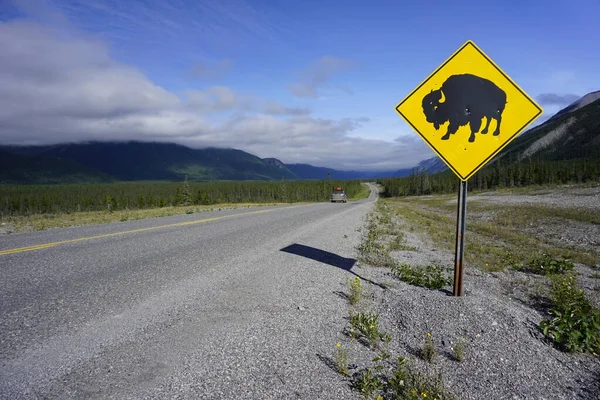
<point>326,257</point>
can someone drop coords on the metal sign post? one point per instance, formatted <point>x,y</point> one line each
<point>461,213</point>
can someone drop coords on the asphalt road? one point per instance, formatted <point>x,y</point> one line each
<point>232,304</point>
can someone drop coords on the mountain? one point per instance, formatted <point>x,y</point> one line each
<point>133,161</point>
<point>571,134</point>
<point>307,171</point>
<point>576,105</point>
<point>432,165</point>
<point>22,168</point>
<point>129,161</point>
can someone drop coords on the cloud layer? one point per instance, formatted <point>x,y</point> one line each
<point>58,87</point>
<point>554,99</point>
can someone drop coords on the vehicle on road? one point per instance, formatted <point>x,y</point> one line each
<point>338,195</point>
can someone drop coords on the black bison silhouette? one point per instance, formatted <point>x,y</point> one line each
<point>468,98</point>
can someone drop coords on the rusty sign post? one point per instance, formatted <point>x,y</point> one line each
<point>479,110</point>
<point>461,214</point>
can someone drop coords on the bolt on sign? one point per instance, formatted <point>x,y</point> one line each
<point>468,110</point>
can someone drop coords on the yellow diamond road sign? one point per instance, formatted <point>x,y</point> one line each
<point>468,110</point>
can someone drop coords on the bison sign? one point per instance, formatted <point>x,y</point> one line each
<point>460,102</point>
<point>465,99</point>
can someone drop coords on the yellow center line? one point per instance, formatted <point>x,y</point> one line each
<point>199,221</point>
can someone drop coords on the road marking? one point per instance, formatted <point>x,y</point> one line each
<point>199,221</point>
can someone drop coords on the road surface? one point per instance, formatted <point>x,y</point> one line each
<point>237,304</point>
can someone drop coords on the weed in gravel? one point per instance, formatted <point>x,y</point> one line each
<point>372,249</point>
<point>428,352</point>
<point>398,244</point>
<point>596,275</point>
<point>407,382</point>
<point>575,325</point>
<point>341,359</point>
<point>542,265</point>
<point>378,258</point>
<point>459,350</point>
<point>429,276</point>
<point>356,291</point>
<point>367,383</point>
<point>366,324</point>
<point>372,252</point>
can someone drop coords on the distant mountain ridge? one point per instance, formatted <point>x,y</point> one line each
<point>133,160</point>
<point>19,168</point>
<point>572,135</point>
<point>307,171</point>
<point>94,162</point>
<point>577,104</point>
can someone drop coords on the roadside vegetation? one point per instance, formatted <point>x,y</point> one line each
<point>38,207</point>
<point>497,232</point>
<point>388,376</point>
<point>501,237</point>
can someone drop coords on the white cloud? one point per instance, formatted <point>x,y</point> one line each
<point>57,87</point>
<point>318,75</point>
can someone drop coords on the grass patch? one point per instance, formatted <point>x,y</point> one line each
<point>366,324</point>
<point>492,230</point>
<point>398,243</point>
<point>404,381</point>
<point>372,249</point>
<point>429,276</point>
<point>541,265</point>
<point>38,222</point>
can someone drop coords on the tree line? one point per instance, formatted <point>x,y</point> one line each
<point>500,174</point>
<point>44,199</point>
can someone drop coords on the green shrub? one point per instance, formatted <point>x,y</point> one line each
<point>428,350</point>
<point>341,359</point>
<point>575,325</point>
<point>542,265</point>
<point>367,325</point>
<point>356,291</point>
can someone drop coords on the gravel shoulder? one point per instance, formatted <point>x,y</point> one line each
<point>507,356</point>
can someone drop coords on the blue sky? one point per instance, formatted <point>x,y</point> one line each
<point>333,70</point>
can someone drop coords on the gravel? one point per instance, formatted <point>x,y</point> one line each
<point>565,196</point>
<point>507,356</point>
